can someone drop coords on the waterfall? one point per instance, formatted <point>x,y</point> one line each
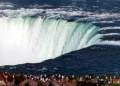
<point>29,39</point>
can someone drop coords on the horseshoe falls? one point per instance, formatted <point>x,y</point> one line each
<point>30,40</point>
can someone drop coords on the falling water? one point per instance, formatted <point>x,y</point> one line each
<point>27,39</point>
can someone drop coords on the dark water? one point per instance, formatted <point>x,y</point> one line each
<point>88,5</point>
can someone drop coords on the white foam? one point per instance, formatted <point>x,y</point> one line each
<point>6,5</point>
<point>111,34</point>
<point>110,28</point>
<point>61,11</point>
<point>116,43</point>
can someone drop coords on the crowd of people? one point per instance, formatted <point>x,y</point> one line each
<point>14,79</point>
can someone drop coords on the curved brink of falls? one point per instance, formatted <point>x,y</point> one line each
<point>27,39</point>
